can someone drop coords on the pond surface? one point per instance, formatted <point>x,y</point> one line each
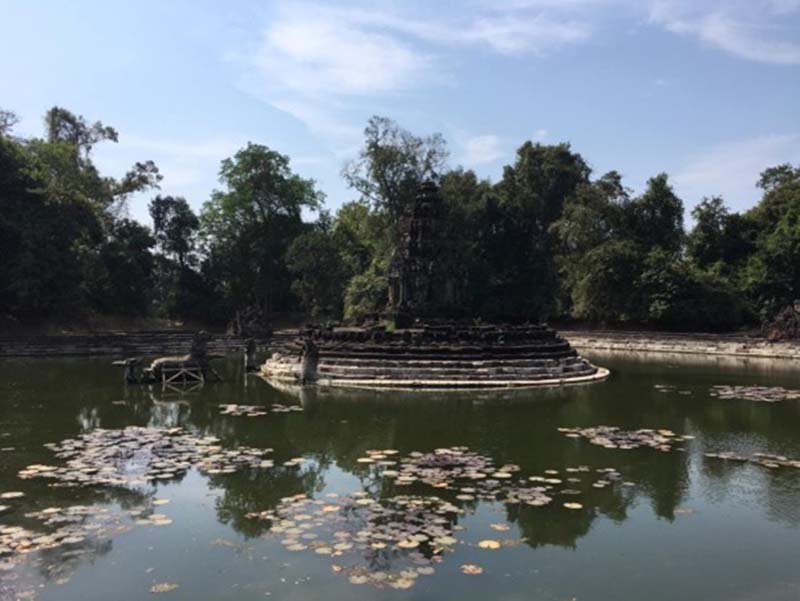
<point>674,525</point>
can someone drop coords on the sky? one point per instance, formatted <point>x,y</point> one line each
<point>707,91</point>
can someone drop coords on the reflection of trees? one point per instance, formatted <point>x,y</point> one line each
<point>62,562</point>
<point>259,490</point>
<point>338,426</point>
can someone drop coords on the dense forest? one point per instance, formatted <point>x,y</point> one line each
<point>549,240</point>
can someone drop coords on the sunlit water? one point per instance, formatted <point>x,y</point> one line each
<point>690,527</point>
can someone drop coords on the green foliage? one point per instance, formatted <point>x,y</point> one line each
<point>655,218</point>
<point>366,293</point>
<point>530,198</point>
<point>318,271</point>
<point>392,164</point>
<point>546,240</point>
<point>65,249</point>
<point>41,240</point>
<point>248,227</point>
<point>604,288</point>
<point>175,226</point>
<point>8,120</point>
<point>120,279</point>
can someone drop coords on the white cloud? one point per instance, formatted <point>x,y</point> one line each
<point>482,149</point>
<point>537,33</point>
<point>507,32</point>
<point>318,63</point>
<point>732,170</point>
<point>751,31</point>
<point>330,54</point>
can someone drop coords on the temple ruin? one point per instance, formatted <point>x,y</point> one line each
<point>417,346</point>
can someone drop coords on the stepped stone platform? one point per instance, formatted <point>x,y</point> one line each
<point>431,356</point>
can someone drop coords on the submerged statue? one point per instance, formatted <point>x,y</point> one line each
<point>195,365</point>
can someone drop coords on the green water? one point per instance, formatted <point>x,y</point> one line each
<point>689,527</point>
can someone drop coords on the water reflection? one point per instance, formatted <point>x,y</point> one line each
<point>338,427</point>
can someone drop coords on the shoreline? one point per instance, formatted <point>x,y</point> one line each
<point>709,345</point>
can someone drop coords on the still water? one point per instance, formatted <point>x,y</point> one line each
<point>683,527</point>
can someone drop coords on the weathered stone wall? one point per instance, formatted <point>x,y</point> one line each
<point>121,344</point>
<point>687,344</point>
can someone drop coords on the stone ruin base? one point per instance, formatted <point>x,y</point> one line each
<point>436,355</point>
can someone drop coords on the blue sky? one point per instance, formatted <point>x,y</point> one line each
<point>704,90</point>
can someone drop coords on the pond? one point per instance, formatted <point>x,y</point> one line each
<point>660,525</point>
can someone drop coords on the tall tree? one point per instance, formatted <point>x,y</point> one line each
<point>531,197</point>
<point>120,281</point>
<point>248,226</point>
<point>175,226</point>
<point>656,217</point>
<point>319,272</point>
<point>8,119</point>
<point>393,163</point>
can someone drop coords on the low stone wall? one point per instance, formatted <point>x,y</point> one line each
<point>119,344</point>
<point>685,344</point>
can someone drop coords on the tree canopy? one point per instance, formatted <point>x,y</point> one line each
<point>547,240</point>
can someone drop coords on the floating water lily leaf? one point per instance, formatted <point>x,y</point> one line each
<point>489,544</point>
<point>573,505</point>
<point>761,394</point>
<point>164,587</point>
<point>471,568</point>
<point>611,437</point>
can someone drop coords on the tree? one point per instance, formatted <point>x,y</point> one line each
<point>175,226</point>
<point>655,218</point>
<point>122,281</point>
<point>319,272</point>
<point>591,218</point>
<point>705,242</point>
<point>605,289</point>
<point>248,226</point>
<point>42,240</point>
<point>70,175</point>
<point>392,164</point>
<point>68,249</point>
<point>530,198</point>
<point>8,120</point>
<point>462,262</point>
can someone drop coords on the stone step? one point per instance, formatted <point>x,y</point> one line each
<point>447,363</point>
<point>425,374</point>
<point>504,349</point>
<point>334,371</point>
<point>465,354</point>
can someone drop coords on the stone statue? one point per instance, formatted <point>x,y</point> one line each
<point>309,361</point>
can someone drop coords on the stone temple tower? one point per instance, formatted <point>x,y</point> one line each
<point>413,291</point>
